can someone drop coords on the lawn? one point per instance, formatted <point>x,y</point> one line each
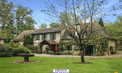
<point>48,64</point>
<point>119,51</point>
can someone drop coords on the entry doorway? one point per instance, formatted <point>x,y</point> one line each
<point>89,50</point>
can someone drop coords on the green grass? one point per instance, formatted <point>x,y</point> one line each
<point>48,64</point>
<point>119,51</point>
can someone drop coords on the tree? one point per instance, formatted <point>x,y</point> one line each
<point>115,30</point>
<point>43,26</point>
<point>14,19</point>
<point>29,23</point>
<point>101,22</point>
<point>24,19</point>
<point>6,14</point>
<point>28,40</point>
<point>55,25</point>
<point>70,17</point>
<point>7,20</point>
<point>82,9</point>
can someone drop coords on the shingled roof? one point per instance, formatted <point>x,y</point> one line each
<point>99,31</point>
<point>22,35</point>
<point>66,38</point>
<point>48,30</point>
<point>2,38</point>
<point>52,42</point>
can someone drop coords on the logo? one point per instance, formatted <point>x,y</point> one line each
<point>60,70</point>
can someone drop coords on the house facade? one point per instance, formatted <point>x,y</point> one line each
<point>47,38</point>
<point>2,39</point>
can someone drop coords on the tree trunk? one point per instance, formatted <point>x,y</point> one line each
<point>82,53</point>
<point>82,56</point>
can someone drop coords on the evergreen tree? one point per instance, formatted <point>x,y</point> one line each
<point>28,40</point>
<point>101,22</point>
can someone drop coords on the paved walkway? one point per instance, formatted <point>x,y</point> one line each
<point>117,55</point>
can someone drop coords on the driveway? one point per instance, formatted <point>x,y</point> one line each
<point>117,55</point>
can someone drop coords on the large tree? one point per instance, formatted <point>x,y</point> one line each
<point>14,19</point>
<point>24,19</point>
<point>43,26</point>
<point>70,17</point>
<point>55,25</point>
<point>7,20</point>
<point>6,15</point>
<point>115,30</point>
<point>82,9</point>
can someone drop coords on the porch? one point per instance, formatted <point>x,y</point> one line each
<point>47,45</point>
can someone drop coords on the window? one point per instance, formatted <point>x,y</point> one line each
<point>37,37</point>
<point>44,36</point>
<point>53,36</point>
<point>68,47</point>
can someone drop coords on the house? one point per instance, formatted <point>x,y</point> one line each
<point>2,39</point>
<point>47,38</point>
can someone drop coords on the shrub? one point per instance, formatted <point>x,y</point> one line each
<point>34,49</point>
<point>67,52</point>
<point>51,52</point>
<point>21,49</point>
<point>13,45</point>
<point>5,50</point>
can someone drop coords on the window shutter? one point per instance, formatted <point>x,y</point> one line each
<point>45,36</point>
<point>38,37</point>
<point>55,36</point>
<point>50,36</point>
<point>42,36</point>
<point>70,47</point>
<point>65,47</point>
<point>35,37</point>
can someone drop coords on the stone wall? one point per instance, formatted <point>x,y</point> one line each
<point>58,36</point>
<point>1,41</point>
<point>111,43</point>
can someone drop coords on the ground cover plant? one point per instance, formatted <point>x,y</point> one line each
<point>48,64</point>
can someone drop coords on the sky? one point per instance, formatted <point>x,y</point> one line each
<point>39,17</point>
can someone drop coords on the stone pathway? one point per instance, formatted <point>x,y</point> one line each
<point>117,55</point>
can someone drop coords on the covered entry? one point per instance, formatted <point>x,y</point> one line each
<point>47,45</point>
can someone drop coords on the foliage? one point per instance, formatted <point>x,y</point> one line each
<point>13,45</point>
<point>101,22</point>
<point>8,35</point>
<point>24,21</point>
<point>115,30</point>
<point>67,42</point>
<point>101,44</point>
<point>67,52</point>
<point>14,19</point>
<point>5,50</point>
<point>70,17</point>
<point>55,25</point>
<point>20,49</point>
<point>34,49</point>
<point>28,40</point>
<point>43,26</point>
<point>6,15</point>
<point>51,52</point>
